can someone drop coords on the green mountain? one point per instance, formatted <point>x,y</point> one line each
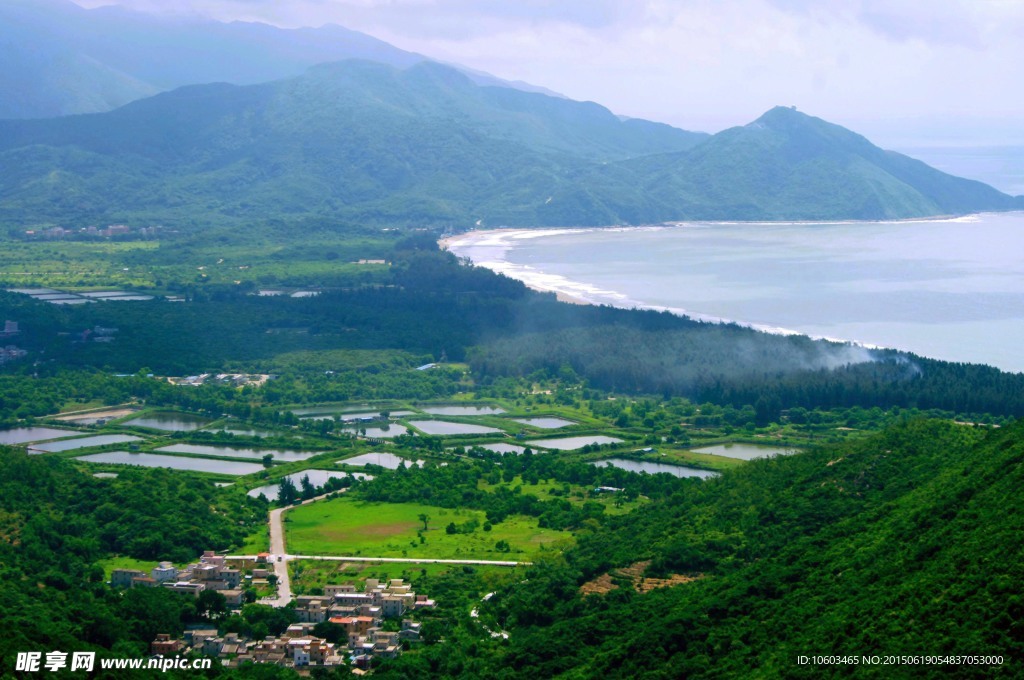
<point>352,140</point>
<point>788,165</point>
<point>61,59</point>
<point>44,76</point>
<point>364,142</point>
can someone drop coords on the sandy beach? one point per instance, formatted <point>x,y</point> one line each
<point>470,239</point>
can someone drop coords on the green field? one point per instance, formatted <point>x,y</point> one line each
<point>577,495</point>
<point>112,563</point>
<point>255,543</point>
<point>310,576</point>
<point>345,526</point>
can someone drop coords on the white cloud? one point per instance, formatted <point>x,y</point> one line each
<point>704,64</point>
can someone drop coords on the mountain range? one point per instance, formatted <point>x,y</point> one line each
<point>60,58</point>
<point>389,137</point>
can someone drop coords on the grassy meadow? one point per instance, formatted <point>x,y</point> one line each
<point>345,526</point>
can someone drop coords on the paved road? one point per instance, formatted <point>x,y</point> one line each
<point>280,557</point>
<point>278,554</point>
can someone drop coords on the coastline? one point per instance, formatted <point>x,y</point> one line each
<point>573,292</point>
<point>967,341</point>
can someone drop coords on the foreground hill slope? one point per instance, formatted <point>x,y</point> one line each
<point>904,544</point>
<point>364,142</point>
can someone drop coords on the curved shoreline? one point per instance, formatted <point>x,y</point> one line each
<point>576,292</point>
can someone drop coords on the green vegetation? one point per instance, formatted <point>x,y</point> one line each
<point>59,528</point>
<point>111,563</point>
<point>900,542</point>
<point>310,576</point>
<point>355,143</point>
<point>346,526</point>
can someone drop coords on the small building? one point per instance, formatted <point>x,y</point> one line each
<point>234,597</point>
<point>165,571</point>
<point>190,587</point>
<point>164,645</point>
<point>392,606</point>
<point>122,578</point>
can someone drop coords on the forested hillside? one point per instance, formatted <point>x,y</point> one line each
<point>904,544</point>
<point>787,165</point>
<point>363,143</point>
<point>56,522</point>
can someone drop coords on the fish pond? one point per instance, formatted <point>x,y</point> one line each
<point>382,432</point>
<point>503,448</point>
<point>21,435</point>
<point>223,467</point>
<point>443,427</point>
<point>229,452</point>
<point>171,422</point>
<point>545,423</point>
<point>463,410</point>
<point>654,468</point>
<point>744,451</point>
<point>316,478</point>
<point>573,443</point>
<point>385,460</point>
<point>83,442</point>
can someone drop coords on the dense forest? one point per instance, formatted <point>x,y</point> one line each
<point>907,543</point>
<point>56,522</point>
<point>368,143</point>
<point>430,306</point>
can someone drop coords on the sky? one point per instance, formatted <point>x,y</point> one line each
<point>898,71</point>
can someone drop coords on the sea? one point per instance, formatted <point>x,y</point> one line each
<point>949,288</point>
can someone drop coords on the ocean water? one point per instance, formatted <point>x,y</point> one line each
<point>949,289</point>
<point>1000,166</point>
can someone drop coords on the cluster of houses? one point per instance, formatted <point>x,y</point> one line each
<point>230,379</point>
<point>359,613</point>
<point>297,647</point>
<point>61,233</point>
<point>341,603</point>
<point>10,352</point>
<point>210,573</point>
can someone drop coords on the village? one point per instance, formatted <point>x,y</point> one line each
<point>371,622</point>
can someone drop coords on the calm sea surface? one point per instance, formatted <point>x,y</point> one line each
<point>948,289</point>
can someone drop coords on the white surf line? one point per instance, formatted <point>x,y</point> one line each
<point>500,241</point>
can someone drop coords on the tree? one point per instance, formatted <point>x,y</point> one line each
<point>211,605</point>
<point>451,528</point>
<point>308,490</point>
<point>286,492</point>
<point>425,518</point>
<point>268,460</point>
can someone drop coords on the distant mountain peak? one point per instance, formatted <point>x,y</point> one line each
<point>787,118</point>
<point>112,55</point>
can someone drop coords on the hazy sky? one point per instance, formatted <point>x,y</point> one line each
<point>888,68</point>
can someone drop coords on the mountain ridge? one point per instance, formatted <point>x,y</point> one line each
<point>78,60</point>
<point>361,141</point>
<point>796,166</point>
